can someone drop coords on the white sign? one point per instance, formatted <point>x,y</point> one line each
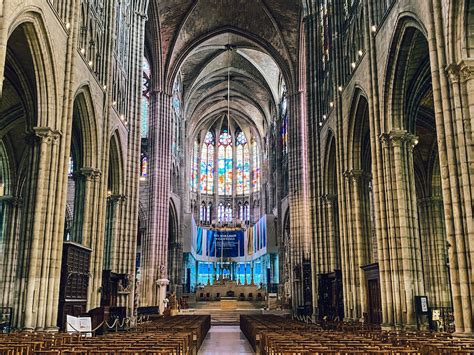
<point>79,325</point>
<point>424,304</point>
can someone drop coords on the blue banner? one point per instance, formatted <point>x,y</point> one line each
<point>227,244</point>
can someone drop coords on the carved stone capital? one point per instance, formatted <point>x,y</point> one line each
<point>117,198</point>
<point>466,69</point>
<point>88,173</point>
<point>453,72</point>
<point>41,135</point>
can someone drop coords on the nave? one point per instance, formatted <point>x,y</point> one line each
<point>310,157</point>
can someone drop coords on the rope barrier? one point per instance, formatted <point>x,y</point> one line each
<point>86,331</point>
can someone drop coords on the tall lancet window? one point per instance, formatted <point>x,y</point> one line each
<point>242,165</point>
<point>145,109</point>
<point>207,165</point>
<point>195,167</point>
<point>256,171</point>
<point>225,164</point>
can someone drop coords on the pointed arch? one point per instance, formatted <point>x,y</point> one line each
<point>84,130</point>
<point>409,54</point>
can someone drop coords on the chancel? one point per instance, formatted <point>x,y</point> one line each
<point>285,176</point>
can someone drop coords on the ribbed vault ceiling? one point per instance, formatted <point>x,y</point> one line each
<point>254,42</point>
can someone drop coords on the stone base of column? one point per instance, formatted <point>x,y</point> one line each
<point>52,329</point>
<point>387,327</point>
<point>464,334</point>
<point>161,293</point>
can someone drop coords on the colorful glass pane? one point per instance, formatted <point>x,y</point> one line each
<point>195,167</point>
<point>240,169</point>
<point>246,172</point>
<point>210,169</point>
<point>225,164</point>
<point>203,182</point>
<point>144,167</point>
<point>70,167</point>
<point>242,165</point>
<point>207,165</point>
<point>256,167</point>
<point>145,106</point>
<point>144,119</point>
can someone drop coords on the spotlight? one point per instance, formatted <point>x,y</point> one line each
<point>374,28</point>
<point>68,26</point>
<point>331,104</point>
<point>339,88</point>
<point>360,52</point>
<point>83,51</point>
<point>353,65</point>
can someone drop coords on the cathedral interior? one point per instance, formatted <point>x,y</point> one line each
<point>313,157</point>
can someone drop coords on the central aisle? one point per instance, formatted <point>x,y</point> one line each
<point>225,340</point>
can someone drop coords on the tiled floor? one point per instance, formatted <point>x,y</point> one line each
<point>225,340</point>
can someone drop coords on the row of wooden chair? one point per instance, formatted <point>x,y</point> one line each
<point>277,335</point>
<point>181,335</point>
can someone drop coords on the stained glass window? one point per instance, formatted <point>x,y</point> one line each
<point>228,214</point>
<point>207,165</point>
<point>256,171</point>
<point>145,109</point>
<point>325,30</point>
<point>70,167</point>
<point>284,124</point>
<point>195,167</point>
<point>221,212</point>
<point>246,212</point>
<point>176,105</point>
<point>225,164</point>
<point>209,213</point>
<point>144,167</point>
<point>242,165</point>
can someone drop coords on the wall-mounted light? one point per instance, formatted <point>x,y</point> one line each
<point>360,52</point>
<point>331,104</point>
<point>374,28</point>
<point>339,88</point>
<point>68,26</point>
<point>353,65</point>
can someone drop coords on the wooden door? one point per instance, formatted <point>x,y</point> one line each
<point>375,304</point>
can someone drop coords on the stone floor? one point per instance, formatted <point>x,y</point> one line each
<point>225,340</point>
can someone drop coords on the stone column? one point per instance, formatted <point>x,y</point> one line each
<point>433,241</point>
<point>155,243</point>
<point>298,197</point>
<point>405,274</point>
<point>37,242</point>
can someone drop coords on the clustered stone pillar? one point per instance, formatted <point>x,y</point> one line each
<point>298,200</point>
<point>404,277</point>
<point>155,243</point>
<point>433,239</point>
<point>35,270</point>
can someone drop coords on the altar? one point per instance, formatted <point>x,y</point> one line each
<point>228,291</point>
